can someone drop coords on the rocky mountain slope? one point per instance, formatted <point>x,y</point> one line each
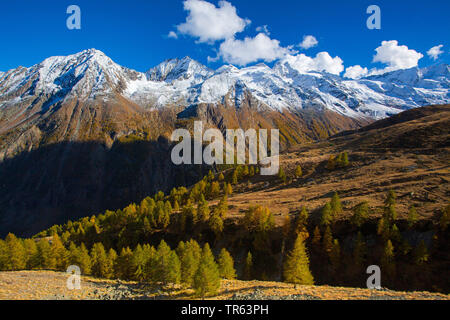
<point>47,285</point>
<point>86,96</point>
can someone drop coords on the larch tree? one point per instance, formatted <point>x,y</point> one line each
<point>207,277</point>
<point>226,265</point>
<point>296,267</point>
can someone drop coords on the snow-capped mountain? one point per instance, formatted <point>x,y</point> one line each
<point>91,74</point>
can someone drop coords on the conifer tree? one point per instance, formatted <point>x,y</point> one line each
<point>445,218</point>
<point>4,256</point>
<point>17,258</point>
<point>421,253</point>
<point>226,265</point>
<point>215,190</point>
<point>317,237</point>
<point>124,264</point>
<point>221,177</point>
<point>298,172</point>
<point>216,224</point>
<point>336,205</point>
<point>203,210</point>
<point>111,264</point>
<point>168,269</point>
<point>331,164</point>
<point>335,255</point>
<point>234,177</point>
<point>189,264</point>
<point>282,175</point>
<point>99,261</point>
<point>248,267</point>
<point>207,277</point>
<point>412,216</point>
<point>296,266</point>
<point>327,215</point>
<point>251,171</point>
<point>31,254</point>
<point>360,214</point>
<point>388,259</point>
<point>327,240</point>
<point>44,254</point>
<point>359,251</point>
<point>58,254</point>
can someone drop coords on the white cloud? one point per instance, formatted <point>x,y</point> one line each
<point>261,47</point>
<point>210,23</point>
<point>263,29</point>
<point>355,72</point>
<point>172,35</point>
<point>396,57</point>
<point>321,62</point>
<point>435,52</point>
<point>309,42</point>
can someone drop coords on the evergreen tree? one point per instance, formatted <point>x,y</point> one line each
<point>298,172</point>
<point>445,218</point>
<point>207,277</point>
<point>359,252</point>
<point>17,258</point>
<point>216,224</point>
<point>189,263</point>
<point>317,237</point>
<point>248,267</point>
<point>99,261</point>
<point>58,254</point>
<point>110,272</point>
<point>336,205</point>
<point>388,259</point>
<point>360,214</point>
<point>327,240</point>
<point>31,254</point>
<point>335,255</point>
<point>203,211</point>
<point>421,253</point>
<point>331,164</point>
<point>234,178</point>
<point>412,216</point>
<point>226,265</point>
<point>296,267</point>
<point>327,215</point>
<point>44,254</point>
<point>168,269</point>
<point>282,175</point>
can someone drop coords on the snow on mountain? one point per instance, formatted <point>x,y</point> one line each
<point>91,74</point>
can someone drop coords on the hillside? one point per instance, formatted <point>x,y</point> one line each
<point>373,196</point>
<point>47,285</point>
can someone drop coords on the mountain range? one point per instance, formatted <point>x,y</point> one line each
<point>88,96</point>
<point>80,134</point>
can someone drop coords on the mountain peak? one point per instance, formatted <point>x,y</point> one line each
<point>178,69</point>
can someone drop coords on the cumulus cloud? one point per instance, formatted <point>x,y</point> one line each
<point>396,57</point>
<point>355,72</point>
<point>209,23</point>
<point>261,47</point>
<point>309,42</point>
<point>435,52</point>
<point>321,62</point>
<point>172,35</point>
<point>263,29</point>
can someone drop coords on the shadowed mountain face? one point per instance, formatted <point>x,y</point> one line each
<point>80,134</point>
<point>70,180</point>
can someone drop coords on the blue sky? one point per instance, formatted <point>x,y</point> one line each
<point>134,33</point>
